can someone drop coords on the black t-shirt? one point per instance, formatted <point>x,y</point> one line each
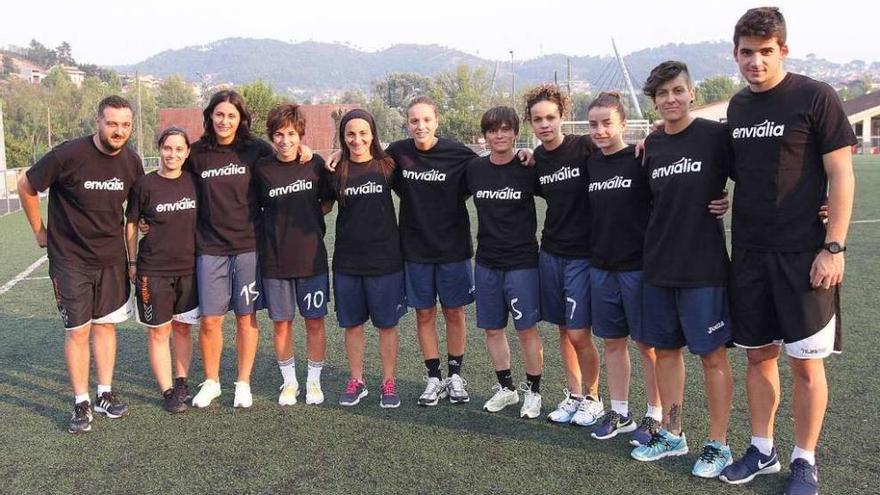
<point>505,199</point>
<point>290,238</point>
<point>88,189</point>
<point>169,207</point>
<point>621,203</point>
<point>434,222</point>
<point>562,182</point>
<point>367,240</point>
<point>779,137</point>
<point>684,243</point>
<point>227,198</point>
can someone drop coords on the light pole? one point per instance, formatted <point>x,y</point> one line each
<point>512,81</point>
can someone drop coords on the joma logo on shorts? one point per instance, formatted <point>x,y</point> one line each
<point>113,184</point>
<point>715,327</point>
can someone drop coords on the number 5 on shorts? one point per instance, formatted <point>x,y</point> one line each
<point>249,293</point>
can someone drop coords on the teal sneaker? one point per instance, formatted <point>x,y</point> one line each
<point>662,444</point>
<point>713,460</point>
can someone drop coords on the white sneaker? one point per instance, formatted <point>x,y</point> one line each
<point>566,409</point>
<point>208,391</point>
<point>434,391</point>
<point>243,397</point>
<point>531,407</point>
<point>314,395</point>
<point>502,398</point>
<point>455,387</point>
<point>589,412</point>
<point>289,392</point>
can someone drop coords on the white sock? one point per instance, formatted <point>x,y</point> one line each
<point>104,388</point>
<point>807,455</point>
<point>288,371</point>
<point>764,445</point>
<point>80,398</point>
<point>655,413</point>
<point>620,407</point>
<point>315,370</point>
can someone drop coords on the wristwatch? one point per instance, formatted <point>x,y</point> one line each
<point>833,247</point>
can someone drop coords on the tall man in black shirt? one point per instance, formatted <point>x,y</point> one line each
<point>791,143</point>
<point>89,178</point>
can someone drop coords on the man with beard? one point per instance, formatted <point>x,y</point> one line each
<point>89,179</point>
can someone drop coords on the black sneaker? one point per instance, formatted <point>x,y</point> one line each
<point>172,401</point>
<point>81,418</point>
<point>110,405</point>
<point>182,387</point>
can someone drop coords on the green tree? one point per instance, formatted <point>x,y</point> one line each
<point>260,98</point>
<point>462,95</point>
<point>174,92</point>
<point>579,104</point>
<point>64,54</point>
<point>389,121</point>
<point>353,97</point>
<point>38,53</point>
<point>8,66</point>
<point>718,88</point>
<point>398,88</point>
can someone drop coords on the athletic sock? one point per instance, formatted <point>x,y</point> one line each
<point>575,396</point>
<point>505,379</point>
<point>314,370</point>
<point>454,364</point>
<point>288,371</point>
<point>764,445</point>
<point>655,413</point>
<point>807,455</point>
<point>103,389</point>
<point>80,398</point>
<point>433,366</point>
<point>620,407</point>
<point>534,382</point>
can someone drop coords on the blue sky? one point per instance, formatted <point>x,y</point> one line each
<point>127,32</point>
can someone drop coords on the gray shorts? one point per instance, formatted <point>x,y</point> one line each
<point>229,283</point>
<point>310,294</point>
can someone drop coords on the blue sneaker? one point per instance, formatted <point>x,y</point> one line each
<point>662,444</point>
<point>355,390</point>
<point>804,479</point>
<point>751,464</point>
<point>713,460</point>
<point>646,430</point>
<point>612,424</point>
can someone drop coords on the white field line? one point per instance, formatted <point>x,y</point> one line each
<point>21,276</point>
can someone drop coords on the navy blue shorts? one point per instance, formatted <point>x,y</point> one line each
<point>503,292</point>
<point>452,283</point>
<point>565,291</point>
<point>229,283</point>
<point>310,294</point>
<point>378,298</point>
<point>698,317</point>
<point>617,303</point>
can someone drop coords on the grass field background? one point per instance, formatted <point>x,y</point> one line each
<point>365,449</point>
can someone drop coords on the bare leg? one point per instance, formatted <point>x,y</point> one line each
<point>588,359</point>
<point>283,340</point>
<point>247,338</point>
<point>426,329</point>
<point>159,352</point>
<point>532,349</point>
<point>809,401</point>
<point>571,365</point>
<point>617,367</point>
<point>181,342</point>
<point>355,343</point>
<point>78,355</point>
<point>762,388</point>
<point>316,339</point>
<point>456,330</point>
<point>669,369</point>
<point>499,349</point>
<point>649,359</point>
<point>211,344</point>
<point>719,392</point>
<point>388,338</point>
<point>104,349</point>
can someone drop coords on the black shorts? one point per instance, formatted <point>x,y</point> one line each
<point>162,299</point>
<point>772,302</point>
<point>91,295</point>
